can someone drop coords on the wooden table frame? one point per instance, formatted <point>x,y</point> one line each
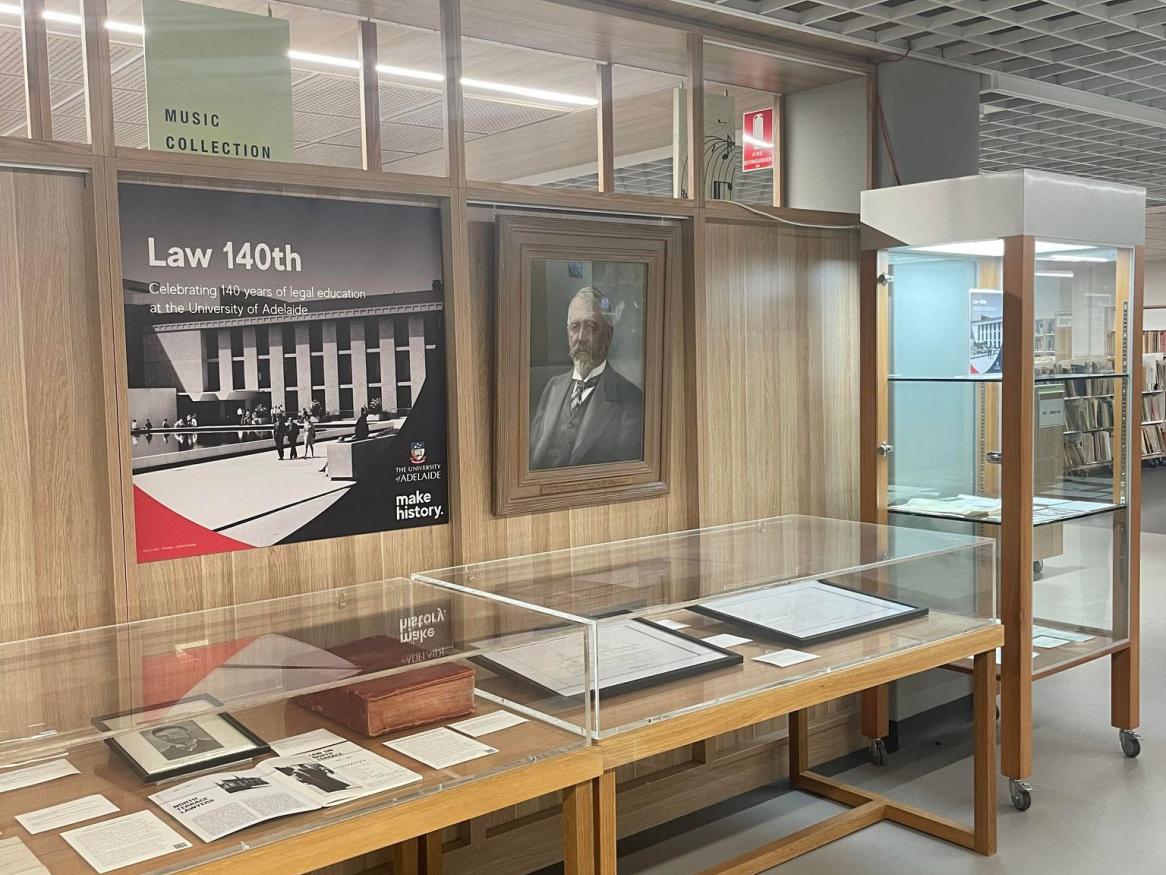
<point>794,700</point>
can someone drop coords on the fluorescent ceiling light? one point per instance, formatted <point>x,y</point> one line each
<point>1059,274</point>
<point>69,18</point>
<point>753,141</point>
<point>426,76</point>
<point>995,248</point>
<point>122,27</point>
<point>327,60</point>
<point>6,9</point>
<point>1098,259</point>
<point>406,73</point>
<point>534,93</point>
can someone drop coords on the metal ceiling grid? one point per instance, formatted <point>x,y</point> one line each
<point>1015,132</point>
<point>1111,47</point>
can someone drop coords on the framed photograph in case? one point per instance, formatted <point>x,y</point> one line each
<point>633,654</point>
<point>807,612</point>
<point>187,740</point>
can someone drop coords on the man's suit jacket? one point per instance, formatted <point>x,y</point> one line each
<point>612,429</point>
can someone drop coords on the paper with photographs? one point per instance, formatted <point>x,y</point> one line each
<point>212,806</point>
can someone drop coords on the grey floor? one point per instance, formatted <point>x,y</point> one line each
<point>1094,811</point>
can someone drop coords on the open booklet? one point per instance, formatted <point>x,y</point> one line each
<point>212,806</point>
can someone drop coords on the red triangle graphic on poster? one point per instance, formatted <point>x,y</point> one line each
<point>164,534</point>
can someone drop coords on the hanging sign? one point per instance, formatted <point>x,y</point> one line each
<point>218,82</point>
<point>758,148</point>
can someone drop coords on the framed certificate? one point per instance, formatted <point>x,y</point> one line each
<point>187,740</point>
<point>807,612</point>
<point>633,654</point>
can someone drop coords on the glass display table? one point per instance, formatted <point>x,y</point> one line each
<point>181,741</point>
<point>705,632</point>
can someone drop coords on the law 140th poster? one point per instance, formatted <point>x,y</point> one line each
<point>286,368</point>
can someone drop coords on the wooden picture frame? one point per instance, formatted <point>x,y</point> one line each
<point>534,253</point>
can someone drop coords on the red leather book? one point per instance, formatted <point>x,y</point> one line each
<point>400,701</point>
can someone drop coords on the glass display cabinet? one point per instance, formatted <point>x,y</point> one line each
<point>699,618</point>
<point>1001,367</point>
<point>205,730</point>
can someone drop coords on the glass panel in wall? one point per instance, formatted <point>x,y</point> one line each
<point>13,103</point>
<point>66,61</point>
<point>648,129</point>
<point>306,60</point>
<point>530,117</point>
<point>412,92</point>
<point>729,150</point>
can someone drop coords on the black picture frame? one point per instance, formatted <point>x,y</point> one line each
<point>763,631</point>
<point>727,658</point>
<point>201,764</point>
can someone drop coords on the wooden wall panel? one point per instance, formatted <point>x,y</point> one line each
<point>781,430</point>
<point>56,561</point>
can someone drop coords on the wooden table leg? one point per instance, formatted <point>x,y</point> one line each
<point>799,750</point>
<point>579,829</point>
<point>984,760</point>
<point>407,858</point>
<point>606,835</point>
<point>431,854</point>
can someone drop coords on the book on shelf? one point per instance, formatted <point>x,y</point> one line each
<point>1153,407</point>
<point>1048,367</point>
<point>1086,414</point>
<point>1154,341</point>
<point>1153,372</point>
<point>1088,448</point>
<point>1154,439</point>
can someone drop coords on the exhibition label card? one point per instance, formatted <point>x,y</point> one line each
<point>124,841</point>
<point>671,624</point>
<point>297,744</point>
<point>440,748</point>
<point>37,774</point>
<point>476,727</point>
<point>1048,632</point>
<point>17,859</point>
<point>786,658</point>
<point>726,640</point>
<point>1048,641</point>
<point>66,814</point>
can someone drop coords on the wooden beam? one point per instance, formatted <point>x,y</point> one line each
<point>455,130</point>
<point>694,94</point>
<point>605,127</point>
<point>36,71</point>
<point>370,98</point>
<point>605,824</point>
<point>1125,666</point>
<point>1016,441</point>
<point>98,73</point>
<point>779,165</point>
<point>799,744</point>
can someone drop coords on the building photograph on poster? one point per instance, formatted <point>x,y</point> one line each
<point>285,363</point>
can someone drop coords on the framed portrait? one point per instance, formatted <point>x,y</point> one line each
<point>807,612</point>
<point>582,364</point>
<point>186,740</point>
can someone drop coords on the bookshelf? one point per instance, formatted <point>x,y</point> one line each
<point>1154,398</point>
<point>1037,451</point>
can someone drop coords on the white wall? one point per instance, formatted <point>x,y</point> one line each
<point>825,146</point>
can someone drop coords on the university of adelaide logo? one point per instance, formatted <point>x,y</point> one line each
<point>417,452</point>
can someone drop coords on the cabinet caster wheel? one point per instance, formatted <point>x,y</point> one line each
<point>1021,793</point>
<point>878,752</point>
<point>1131,743</point>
